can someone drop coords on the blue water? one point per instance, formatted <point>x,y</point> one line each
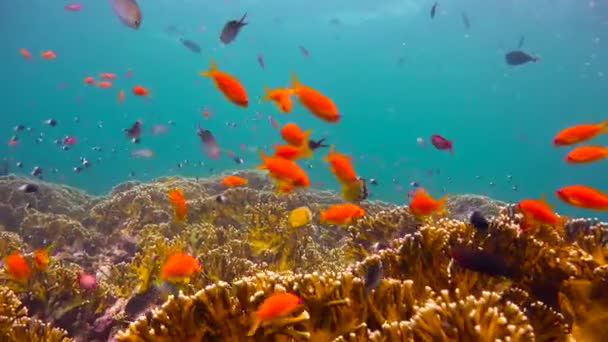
<point>452,81</point>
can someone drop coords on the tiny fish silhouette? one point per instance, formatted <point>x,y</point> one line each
<point>231,30</point>
<point>465,20</point>
<point>519,58</point>
<point>434,10</point>
<point>190,45</point>
<point>521,41</point>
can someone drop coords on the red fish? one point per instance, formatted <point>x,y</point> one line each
<point>25,53</point>
<point>441,143</point>
<point>74,7</point>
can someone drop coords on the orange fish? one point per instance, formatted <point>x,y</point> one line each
<point>276,306</point>
<point>583,197</point>
<point>586,154</point>
<point>140,91</point>
<point>319,104</point>
<point>292,134</point>
<point>121,96</point>
<point>16,266</point>
<point>341,214</point>
<point>537,211</point>
<point>179,267</point>
<point>177,200</point>
<point>422,204</point>
<point>284,172</point>
<point>104,84</point>
<point>41,258</point>
<point>89,80</point>
<point>578,133</point>
<point>25,53</point>
<point>48,54</point>
<point>280,97</point>
<point>229,86</point>
<point>288,152</point>
<point>341,166</point>
<point>107,76</point>
<point>231,181</point>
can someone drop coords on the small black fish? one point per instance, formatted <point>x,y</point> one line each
<point>134,131</point>
<point>221,199</point>
<point>36,171</point>
<point>231,30</point>
<point>373,181</point>
<point>465,20</point>
<point>238,160</point>
<point>192,46</point>
<point>18,128</point>
<point>51,122</point>
<point>335,21</point>
<point>479,222</point>
<point>521,41</point>
<point>434,10</point>
<point>28,188</point>
<point>519,58</point>
<point>373,275</point>
<point>480,261</point>
<point>313,145</point>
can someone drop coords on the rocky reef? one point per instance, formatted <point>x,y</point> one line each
<point>385,277</point>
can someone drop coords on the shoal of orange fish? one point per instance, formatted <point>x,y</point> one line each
<point>276,306</point>
<point>286,173</point>
<point>41,258</point>
<point>537,212</point>
<point>179,267</point>
<point>583,196</point>
<point>318,104</point>
<point>423,205</point>
<point>233,181</point>
<point>230,87</point>
<point>280,97</point>
<point>178,202</point>
<point>586,154</point>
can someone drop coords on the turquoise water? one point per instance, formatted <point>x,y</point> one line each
<point>451,81</point>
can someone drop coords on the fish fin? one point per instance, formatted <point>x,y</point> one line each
<point>267,90</point>
<point>305,150</point>
<point>322,216</point>
<point>242,21</point>
<point>211,70</point>
<point>441,202</point>
<point>264,157</point>
<point>604,125</point>
<point>254,327</point>
<point>295,82</point>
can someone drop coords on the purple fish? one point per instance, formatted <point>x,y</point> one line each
<point>441,143</point>
<point>261,60</point>
<point>134,131</point>
<point>232,29</point>
<point>304,51</point>
<point>143,153</point>
<point>211,147</point>
<point>128,12</point>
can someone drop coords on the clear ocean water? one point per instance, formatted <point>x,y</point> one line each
<point>394,74</point>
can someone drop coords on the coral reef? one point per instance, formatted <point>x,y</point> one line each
<point>386,277</point>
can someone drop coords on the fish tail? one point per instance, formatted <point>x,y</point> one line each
<point>604,126</point>
<point>242,21</point>
<point>441,204</point>
<point>211,70</point>
<point>306,151</point>
<point>267,90</point>
<point>254,327</point>
<point>264,157</point>
<point>295,82</point>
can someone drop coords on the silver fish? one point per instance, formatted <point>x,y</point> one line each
<point>128,12</point>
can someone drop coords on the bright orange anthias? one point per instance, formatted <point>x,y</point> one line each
<point>177,200</point>
<point>140,91</point>
<point>320,105</point>
<point>583,197</point>
<point>232,181</point>
<point>537,212</point>
<point>586,154</point>
<point>342,214</point>
<point>41,258</point>
<point>280,97</point>
<point>341,166</point>
<point>179,267</point>
<point>575,134</point>
<point>286,172</point>
<point>277,306</point>
<point>294,135</point>
<point>423,205</point>
<point>49,54</point>
<point>288,152</point>
<point>229,86</point>
<point>17,267</point>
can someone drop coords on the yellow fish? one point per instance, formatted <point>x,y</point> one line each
<point>299,217</point>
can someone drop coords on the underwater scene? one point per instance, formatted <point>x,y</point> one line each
<point>248,170</point>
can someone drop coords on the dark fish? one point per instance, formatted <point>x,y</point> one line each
<point>479,222</point>
<point>521,42</point>
<point>173,30</point>
<point>231,30</point>
<point>18,128</point>
<point>304,51</point>
<point>335,21</point>
<point>434,10</point>
<point>28,188</point>
<point>313,145</point>
<point>373,275</point>
<point>209,142</point>
<point>51,122</point>
<point>36,171</point>
<point>127,11</point>
<point>134,131</point>
<point>519,58</point>
<point>373,181</point>
<point>480,261</point>
<point>220,199</point>
<point>192,46</point>
<point>465,20</point>
<point>261,60</point>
